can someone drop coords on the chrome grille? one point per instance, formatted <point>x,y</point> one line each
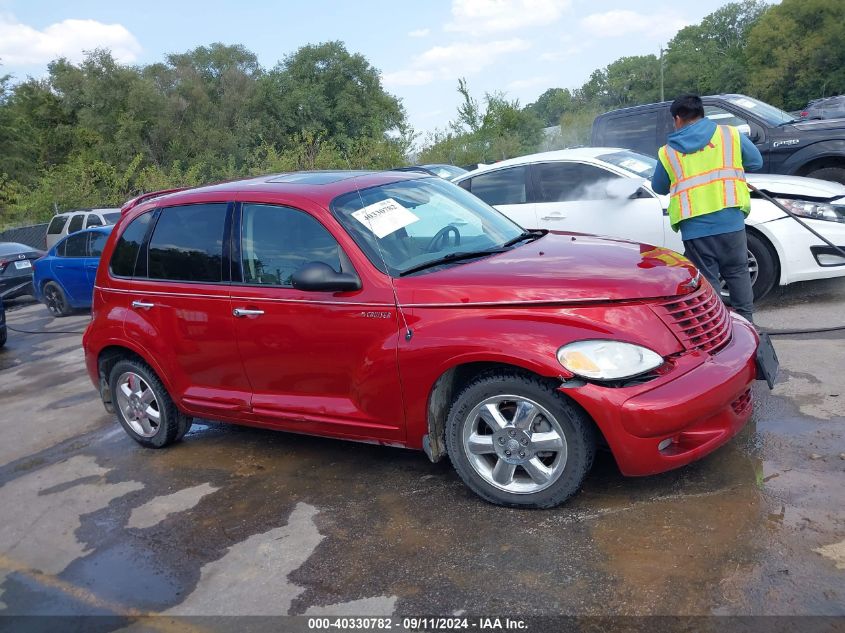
<point>700,320</point>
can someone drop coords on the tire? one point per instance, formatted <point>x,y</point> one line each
<point>3,336</point>
<point>144,408</point>
<point>835,174</point>
<point>56,300</point>
<point>766,266</point>
<point>529,408</point>
<point>762,264</point>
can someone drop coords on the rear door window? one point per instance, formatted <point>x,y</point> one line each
<point>277,241</point>
<point>75,223</point>
<point>567,182</point>
<point>636,131</point>
<point>187,243</point>
<point>93,220</point>
<point>76,245</point>
<point>503,186</point>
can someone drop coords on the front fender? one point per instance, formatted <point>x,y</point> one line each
<point>822,149</point>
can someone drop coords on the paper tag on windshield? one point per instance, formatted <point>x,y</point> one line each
<point>385,217</point>
<point>632,164</point>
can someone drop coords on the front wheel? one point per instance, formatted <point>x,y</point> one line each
<point>762,266</point>
<point>144,408</point>
<point>515,441</point>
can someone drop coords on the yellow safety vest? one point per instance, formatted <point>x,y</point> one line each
<point>708,180</point>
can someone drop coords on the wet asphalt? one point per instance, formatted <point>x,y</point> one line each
<point>242,521</point>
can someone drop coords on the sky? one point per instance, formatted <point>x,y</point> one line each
<point>520,47</point>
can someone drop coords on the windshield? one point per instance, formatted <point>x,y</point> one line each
<point>446,171</point>
<point>769,113</point>
<point>634,162</point>
<point>409,223</point>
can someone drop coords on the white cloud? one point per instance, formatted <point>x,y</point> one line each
<point>408,77</point>
<point>419,33</point>
<point>489,16</point>
<point>452,61</point>
<point>625,22</point>
<point>529,82</point>
<point>23,45</point>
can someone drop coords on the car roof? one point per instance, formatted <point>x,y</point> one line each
<point>575,153</point>
<point>665,104</point>
<point>92,210</point>
<point>107,228</point>
<point>320,187</point>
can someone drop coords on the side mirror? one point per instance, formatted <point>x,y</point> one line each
<point>318,276</point>
<point>621,188</point>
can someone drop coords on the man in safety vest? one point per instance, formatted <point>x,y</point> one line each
<point>703,168</point>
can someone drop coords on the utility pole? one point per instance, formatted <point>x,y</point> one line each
<point>662,98</point>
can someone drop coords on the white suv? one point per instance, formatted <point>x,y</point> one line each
<point>72,221</point>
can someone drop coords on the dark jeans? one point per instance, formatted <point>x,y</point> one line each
<point>725,255</point>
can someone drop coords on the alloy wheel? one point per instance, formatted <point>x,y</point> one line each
<point>515,444</point>
<point>753,269</point>
<point>138,404</point>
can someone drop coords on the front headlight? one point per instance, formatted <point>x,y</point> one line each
<point>814,210</point>
<point>607,360</point>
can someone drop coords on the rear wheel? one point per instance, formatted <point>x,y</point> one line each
<point>55,299</point>
<point>515,441</point>
<point>144,408</point>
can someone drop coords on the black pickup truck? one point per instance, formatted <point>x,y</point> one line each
<point>788,145</point>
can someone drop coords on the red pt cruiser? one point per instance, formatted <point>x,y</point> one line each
<point>402,310</point>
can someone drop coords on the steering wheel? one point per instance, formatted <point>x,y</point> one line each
<point>441,238</point>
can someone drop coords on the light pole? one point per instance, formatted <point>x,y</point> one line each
<point>662,98</point>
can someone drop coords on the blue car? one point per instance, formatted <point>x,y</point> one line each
<point>64,278</point>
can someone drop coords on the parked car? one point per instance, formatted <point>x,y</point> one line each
<point>296,302</point>
<point>16,269</point>
<point>70,222</point>
<point>436,169</point>
<point>789,146</point>
<point>826,108</point>
<point>3,332</point>
<point>64,278</point>
<point>606,191</point>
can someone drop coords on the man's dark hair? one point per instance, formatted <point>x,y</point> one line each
<point>687,107</point>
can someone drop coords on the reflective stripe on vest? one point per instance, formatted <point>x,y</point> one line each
<point>707,180</point>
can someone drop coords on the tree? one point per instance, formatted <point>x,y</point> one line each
<point>324,90</point>
<point>709,58</point>
<point>551,105</point>
<point>796,52</point>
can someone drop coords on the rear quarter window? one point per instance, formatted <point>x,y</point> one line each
<point>57,224</point>
<point>126,250</point>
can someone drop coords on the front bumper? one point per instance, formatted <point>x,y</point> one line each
<point>696,408</point>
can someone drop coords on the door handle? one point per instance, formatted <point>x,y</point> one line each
<point>553,217</point>
<point>243,312</point>
<point>142,305</point>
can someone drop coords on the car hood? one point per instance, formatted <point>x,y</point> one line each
<point>797,186</point>
<point>819,125</point>
<point>558,268</point>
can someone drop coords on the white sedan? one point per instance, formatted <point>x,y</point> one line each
<point>606,191</point>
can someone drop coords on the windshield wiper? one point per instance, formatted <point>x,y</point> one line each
<point>522,236</point>
<point>451,257</point>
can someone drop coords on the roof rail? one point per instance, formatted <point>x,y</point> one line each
<point>134,202</point>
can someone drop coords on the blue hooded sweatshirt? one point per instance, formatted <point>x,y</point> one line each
<point>692,138</point>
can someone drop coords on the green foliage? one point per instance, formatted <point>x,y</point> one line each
<point>796,52</point>
<point>502,131</point>
<point>98,132</point>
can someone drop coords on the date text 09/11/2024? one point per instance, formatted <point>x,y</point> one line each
<point>418,623</point>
